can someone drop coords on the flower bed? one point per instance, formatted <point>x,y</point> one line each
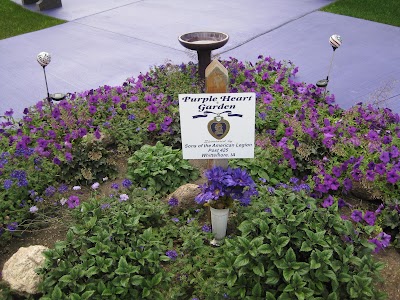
<point>305,143</point>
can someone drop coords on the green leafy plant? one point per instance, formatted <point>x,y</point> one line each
<point>294,250</point>
<point>265,166</point>
<point>160,168</point>
<point>113,251</point>
<point>93,159</point>
<point>128,134</point>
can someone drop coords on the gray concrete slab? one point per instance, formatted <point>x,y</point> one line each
<point>110,40</point>
<point>367,62</point>
<point>161,22</point>
<point>76,9</point>
<point>125,38</point>
<point>82,58</point>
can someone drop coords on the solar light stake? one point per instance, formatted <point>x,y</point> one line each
<point>335,41</point>
<point>44,58</point>
<point>47,88</point>
<point>330,66</point>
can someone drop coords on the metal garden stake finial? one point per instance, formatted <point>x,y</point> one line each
<point>44,59</point>
<point>335,41</point>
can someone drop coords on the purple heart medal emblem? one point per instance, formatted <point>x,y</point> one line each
<point>218,127</point>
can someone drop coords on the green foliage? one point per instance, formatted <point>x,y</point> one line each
<point>386,12</point>
<point>296,251</point>
<point>93,159</point>
<point>128,134</point>
<point>112,252</point>
<point>160,168</point>
<point>265,165</point>
<point>389,220</point>
<point>15,201</point>
<point>17,20</point>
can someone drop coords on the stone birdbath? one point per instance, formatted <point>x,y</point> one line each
<point>203,42</point>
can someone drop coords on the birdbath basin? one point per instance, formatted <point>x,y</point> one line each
<point>203,42</point>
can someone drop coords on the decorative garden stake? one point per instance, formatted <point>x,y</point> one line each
<point>335,41</point>
<point>44,58</point>
<point>203,43</point>
<point>216,80</point>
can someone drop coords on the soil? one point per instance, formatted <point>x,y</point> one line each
<point>56,231</point>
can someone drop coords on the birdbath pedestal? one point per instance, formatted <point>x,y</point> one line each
<point>203,42</point>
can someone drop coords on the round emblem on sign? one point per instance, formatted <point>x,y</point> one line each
<point>218,127</point>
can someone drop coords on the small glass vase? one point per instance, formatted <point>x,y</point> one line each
<point>219,222</point>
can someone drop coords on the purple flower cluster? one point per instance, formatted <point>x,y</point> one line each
<point>235,184</point>
<point>173,202</point>
<point>381,241</point>
<point>172,254</point>
<point>206,228</point>
<point>369,217</point>
<point>20,176</point>
<point>126,183</point>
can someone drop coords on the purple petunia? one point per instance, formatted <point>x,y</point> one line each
<point>92,109</point>
<point>68,156</point>
<point>379,209</point>
<point>56,161</point>
<point>73,201</point>
<point>382,240</point>
<point>152,109</point>
<point>385,157</point>
<point>356,216</point>
<point>328,201</point>
<point>380,169</point>
<point>336,171</point>
<point>394,153</point>
<point>347,184</point>
<point>370,175</point>
<point>152,126</point>
<point>392,176</point>
<point>370,218</point>
<point>289,131</point>
<point>341,203</point>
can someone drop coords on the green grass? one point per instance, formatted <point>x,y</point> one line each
<point>16,20</point>
<point>382,11</point>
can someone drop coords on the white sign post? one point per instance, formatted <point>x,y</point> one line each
<point>217,126</point>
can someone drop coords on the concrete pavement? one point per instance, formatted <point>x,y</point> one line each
<point>107,41</point>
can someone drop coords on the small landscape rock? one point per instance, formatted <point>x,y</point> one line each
<point>19,270</point>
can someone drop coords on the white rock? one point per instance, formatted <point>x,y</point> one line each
<point>19,270</point>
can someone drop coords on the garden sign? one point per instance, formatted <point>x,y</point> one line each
<point>217,125</point>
